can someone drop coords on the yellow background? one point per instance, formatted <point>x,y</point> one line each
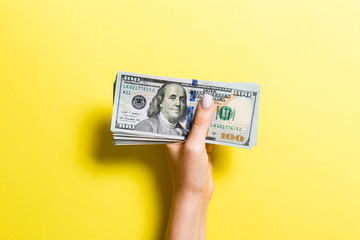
<point>61,177</point>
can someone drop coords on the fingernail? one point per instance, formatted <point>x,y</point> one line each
<point>206,101</point>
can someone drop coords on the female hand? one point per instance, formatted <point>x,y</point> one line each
<point>191,173</point>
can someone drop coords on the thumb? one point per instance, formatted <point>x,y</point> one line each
<point>204,115</point>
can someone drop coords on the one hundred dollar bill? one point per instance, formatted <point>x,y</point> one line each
<point>153,110</point>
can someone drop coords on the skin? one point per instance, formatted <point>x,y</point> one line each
<point>173,104</point>
<point>191,173</point>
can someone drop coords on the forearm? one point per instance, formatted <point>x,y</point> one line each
<point>187,217</point>
<point>202,223</point>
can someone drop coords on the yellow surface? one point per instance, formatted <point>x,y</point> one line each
<point>62,178</point>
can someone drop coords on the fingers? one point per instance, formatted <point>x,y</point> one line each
<point>208,147</point>
<point>208,150</point>
<point>173,147</point>
<point>202,120</point>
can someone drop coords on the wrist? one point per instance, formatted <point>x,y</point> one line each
<point>186,216</point>
<point>195,197</point>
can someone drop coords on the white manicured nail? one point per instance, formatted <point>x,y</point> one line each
<point>206,101</point>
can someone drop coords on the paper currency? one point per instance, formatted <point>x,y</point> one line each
<point>157,110</point>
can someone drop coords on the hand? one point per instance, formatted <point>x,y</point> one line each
<point>191,173</point>
<point>191,170</point>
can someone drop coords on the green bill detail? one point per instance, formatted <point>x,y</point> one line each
<point>226,113</point>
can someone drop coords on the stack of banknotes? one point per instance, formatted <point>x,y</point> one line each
<point>159,110</point>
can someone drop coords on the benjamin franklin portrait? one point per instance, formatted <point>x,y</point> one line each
<point>167,109</point>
